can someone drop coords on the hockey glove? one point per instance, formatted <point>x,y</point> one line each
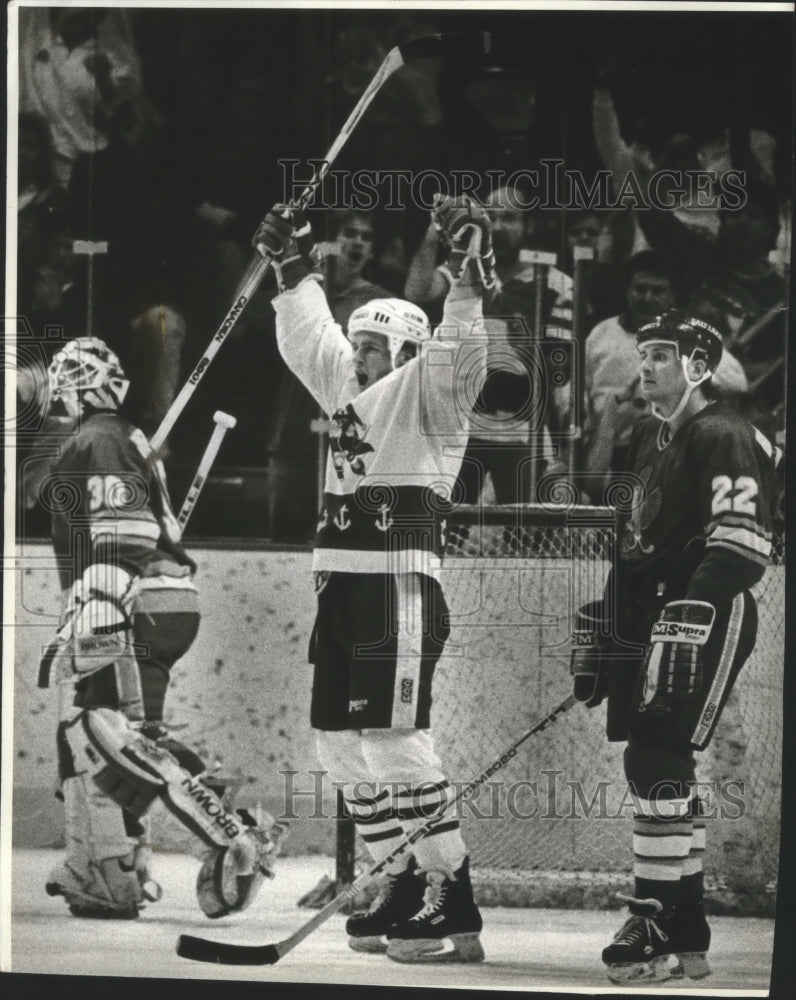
<point>285,235</point>
<point>674,665</point>
<point>589,658</point>
<point>466,231</point>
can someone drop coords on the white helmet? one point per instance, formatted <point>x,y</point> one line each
<point>396,319</point>
<point>87,372</point>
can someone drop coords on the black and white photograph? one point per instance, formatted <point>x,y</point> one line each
<point>394,513</point>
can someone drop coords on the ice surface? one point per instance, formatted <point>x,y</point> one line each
<point>526,949</point>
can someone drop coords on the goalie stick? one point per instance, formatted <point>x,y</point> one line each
<point>476,43</point>
<point>128,679</point>
<point>223,422</point>
<point>203,950</point>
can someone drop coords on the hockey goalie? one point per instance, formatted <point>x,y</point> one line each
<point>130,613</point>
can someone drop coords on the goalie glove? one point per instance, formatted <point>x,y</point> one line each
<point>673,669</point>
<point>285,235</point>
<point>589,661</point>
<point>466,231</point>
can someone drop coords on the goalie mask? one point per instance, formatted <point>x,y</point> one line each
<point>692,338</point>
<point>86,373</point>
<point>395,319</point>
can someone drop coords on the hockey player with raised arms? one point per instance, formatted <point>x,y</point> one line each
<point>130,613</point>
<point>697,539</point>
<point>396,444</point>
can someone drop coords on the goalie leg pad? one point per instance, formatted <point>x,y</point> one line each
<point>230,878</point>
<point>100,876</point>
<point>116,756</point>
<point>133,770</point>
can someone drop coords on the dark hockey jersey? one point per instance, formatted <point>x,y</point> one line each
<point>700,524</point>
<point>109,502</point>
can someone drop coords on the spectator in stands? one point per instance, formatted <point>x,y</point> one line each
<point>709,141</point>
<point>353,236</point>
<point>55,294</point>
<point>724,139</point>
<point>511,427</point>
<point>736,278</point>
<point>601,290</point>
<point>612,400</point>
<point>75,63</point>
<point>39,198</point>
<point>130,195</point>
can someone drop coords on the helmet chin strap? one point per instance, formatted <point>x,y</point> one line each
<point>690,386</point>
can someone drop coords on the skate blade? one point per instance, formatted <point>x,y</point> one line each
<point>693,964</point>
<point>454,948</point>
<point>655,971</point>
<point>371,945</point>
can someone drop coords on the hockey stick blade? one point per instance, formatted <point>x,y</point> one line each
<point>201,950</point>
<point>475,44</point>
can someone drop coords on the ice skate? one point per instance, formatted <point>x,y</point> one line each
<point>689,939</point>
<point>446,929</point>
<point>90,895</point>
<point>655,944</point>
<point>400,897</point>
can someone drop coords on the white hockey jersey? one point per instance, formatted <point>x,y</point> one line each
<point>396,447</point>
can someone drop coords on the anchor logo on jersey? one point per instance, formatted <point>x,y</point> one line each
<point>341,518</point>
<point>348,442</point>
<point>384,521</point>
<point>646,505</point>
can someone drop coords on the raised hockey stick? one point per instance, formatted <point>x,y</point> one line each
<point>224,422</point>
<point>202,950</point>
<point>477,43</point>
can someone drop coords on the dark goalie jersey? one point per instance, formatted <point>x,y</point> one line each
<point>114,505</point>
<point>700,525</point>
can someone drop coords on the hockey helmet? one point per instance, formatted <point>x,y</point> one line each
<point>691,337</point>
<point>86,372</point>
<point>396,319</point>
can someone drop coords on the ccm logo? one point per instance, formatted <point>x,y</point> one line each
<point>407,687</point>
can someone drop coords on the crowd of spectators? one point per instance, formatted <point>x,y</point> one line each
<point>141,178</point>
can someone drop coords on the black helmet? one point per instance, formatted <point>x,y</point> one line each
<point>687,333</point>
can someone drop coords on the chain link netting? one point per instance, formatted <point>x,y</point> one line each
<point>553,827</point>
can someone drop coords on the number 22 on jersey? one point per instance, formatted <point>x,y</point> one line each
<point>737,496</point>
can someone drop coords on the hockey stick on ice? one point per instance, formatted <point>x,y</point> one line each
<point>479,43</point>
<point>224,422</point>
<point>203,950</point>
